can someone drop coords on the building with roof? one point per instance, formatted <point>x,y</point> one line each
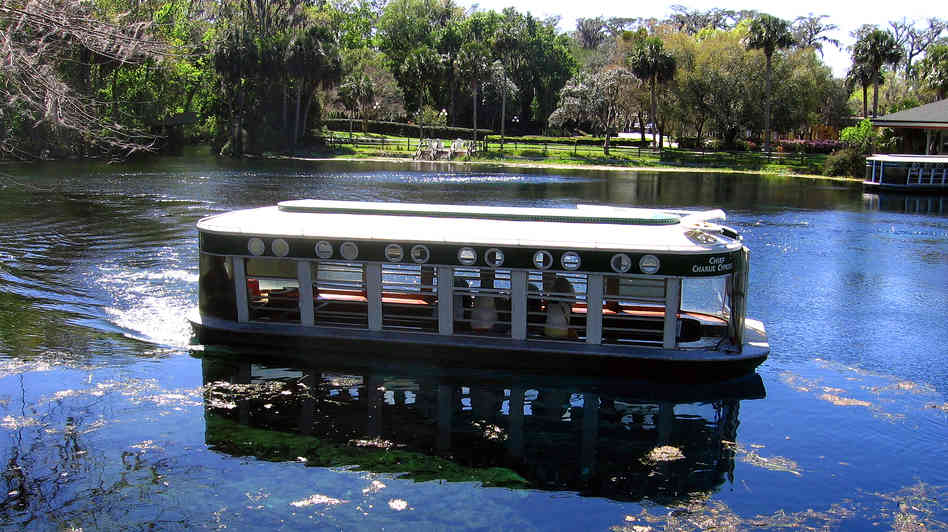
<point>922,130</point>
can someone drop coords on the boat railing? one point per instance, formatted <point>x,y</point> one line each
<point>533,305</point>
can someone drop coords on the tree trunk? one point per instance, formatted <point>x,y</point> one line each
<point>503,113</point>
<point>875,97</point>
<point>474,133</point>
<point>308,107</point>
<point>605,144</point>
<point>454,90</point>
<point>641,129</point>
<point>652,106</point>
<point>767,105</point>
<point>421,129</point>
<point>114,90</point>
<point>237,144</point>
<point>296,125</point>
<point>286,111</point>
<point>865,101</point>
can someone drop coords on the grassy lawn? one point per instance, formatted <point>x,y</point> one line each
<point>534,150</point>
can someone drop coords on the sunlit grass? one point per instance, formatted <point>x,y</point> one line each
<point>529,151</point>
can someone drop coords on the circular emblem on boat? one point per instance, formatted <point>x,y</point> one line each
<point>620,263</point>
<point>256,246</point>
<point>542,259</point>
<point>649,264</point>
<point>467,256</point>
<point>323,249</point>
<point>394,253</point>
<point>494,257</point>
<point>570,260</point>
<point>349,250</point>
<point>420,254</point>
<point>280,248</point>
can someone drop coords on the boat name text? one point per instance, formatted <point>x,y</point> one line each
<point>714,265</point>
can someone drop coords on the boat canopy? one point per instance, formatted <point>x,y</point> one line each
<point>583,227</point>
<point>909,159</point>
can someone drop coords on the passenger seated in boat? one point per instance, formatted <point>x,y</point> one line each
<point>558,313</point>
<point>484,315</point>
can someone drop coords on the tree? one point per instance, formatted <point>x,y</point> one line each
<point>811,32</point>
<point>589,32</point>
<point>934,70</point>
<point>592,98</point>
<point>357,92</point>
<point>40,41</point>
<point>312,59</point>
<point>860,75</point>
<point>768,34</point>
<point>499,79</point>
<point>915,41</point>
<point>874,50</point>
<point>474,61</point>
<point>651,63</point>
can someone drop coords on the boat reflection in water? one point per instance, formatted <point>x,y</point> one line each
<point>907,203</point>
<point>620,439</point>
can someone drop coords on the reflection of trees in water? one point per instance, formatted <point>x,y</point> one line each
<point>53,477</point>
<point>558,435</point>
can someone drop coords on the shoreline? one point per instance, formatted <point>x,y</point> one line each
<point>562,166</point>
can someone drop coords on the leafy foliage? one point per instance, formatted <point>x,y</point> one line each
<point>848,162</point>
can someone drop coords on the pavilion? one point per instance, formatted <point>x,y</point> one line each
<point>923,129</point>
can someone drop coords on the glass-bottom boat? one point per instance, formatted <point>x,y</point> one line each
<point>907,173</point>
<point>658,290</point>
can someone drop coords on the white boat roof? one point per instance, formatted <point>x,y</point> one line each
<point>897,158</point>
<point>589,227</point>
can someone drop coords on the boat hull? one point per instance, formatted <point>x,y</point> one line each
<point>906,189</point>
<point>470,351</point>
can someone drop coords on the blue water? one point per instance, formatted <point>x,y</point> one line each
<point>111,420</point>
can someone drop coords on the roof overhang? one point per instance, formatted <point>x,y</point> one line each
<point>911,125</point>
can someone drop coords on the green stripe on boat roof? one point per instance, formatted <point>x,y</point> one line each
<point>590,214</point>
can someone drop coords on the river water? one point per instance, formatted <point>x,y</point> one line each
<point>111,420</point>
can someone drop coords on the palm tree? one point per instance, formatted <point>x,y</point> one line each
<point>874,50</point>
<point>499,78</point>
<point>768,34</point>
<point>357,92</point>
<point>474,59</point>
<point>650,62</point>
<point>859,75</point>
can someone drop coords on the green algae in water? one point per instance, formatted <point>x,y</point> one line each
<point>239,440</point>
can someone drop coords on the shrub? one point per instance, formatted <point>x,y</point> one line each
<point>811,146</point>
<point>714,144</point>
<point>846,162</point>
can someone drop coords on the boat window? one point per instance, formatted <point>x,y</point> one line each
<point>482,301</point>
<point>409,297</point>
<point>556,305</point>
<point>633,310</point>
<point>339,290</point>
<point>494,257</point>
<point>420,254</point>
<point>217,296</point>
<point>273,291</point>
<point>706,306</point>
<point>394,253</point>
<point>323,249</point>
<point>706,295</point>
<point>467,256</point>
